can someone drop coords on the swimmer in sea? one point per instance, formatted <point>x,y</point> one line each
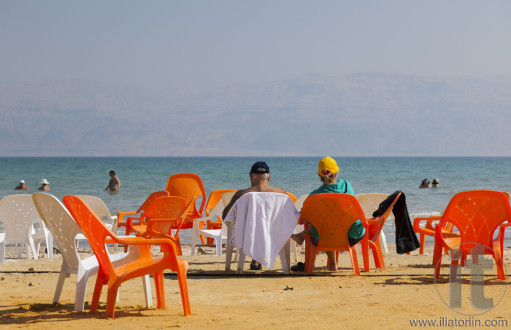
<point>21,186</point>
<point>436,183</point>
<point>425,184</point>
<point>114,183</point>
<point>44,185</point>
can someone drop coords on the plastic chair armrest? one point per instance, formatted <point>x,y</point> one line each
<point>120,216</point>
<point>198,221</point>
<point>429,222</point>
<point>128,240</point>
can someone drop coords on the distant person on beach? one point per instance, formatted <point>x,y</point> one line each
<point>327,172</point>
<point>114,184</point>
<point>425,184</point>
<point>21,186</point>
<point>260,182</point>
<point>436,183</point>
<point>44,185</point>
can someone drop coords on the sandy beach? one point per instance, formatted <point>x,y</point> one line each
<point>392,298</point>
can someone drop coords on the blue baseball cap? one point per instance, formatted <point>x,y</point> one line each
<point>260,168</point>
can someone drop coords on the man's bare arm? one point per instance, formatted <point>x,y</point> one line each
<point>236,196</point>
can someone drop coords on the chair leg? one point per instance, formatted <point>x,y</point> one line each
<point>147,291</point>
<point>422,242</point>
<point>365,251</point>
<point>49,245</point>
<point>284,257</point>
<point>228,256</point>
<point>354,260</point>
<point>97,293</point>
<point>437,258</point>
<point>241,261</point>
<point>310,255</point>
<point>2,251</point>
<point>183,285</point>
<point>294,250</point>
<point>218,243</point>
<point>383,240</point>
<point>81,288</point>
<point>60,284</point>
<point>194,239</point>
<point>377,254</point>
<point>111,299</point>
<point>178,243</point>
<point>160,293</point>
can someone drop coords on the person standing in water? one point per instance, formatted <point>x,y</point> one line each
<point>114,184</point>
<point>44,185</point>
<point>21,186</point>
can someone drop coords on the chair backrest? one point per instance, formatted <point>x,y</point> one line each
<point>167,208</point>
<point>332,214</point>
<point>292,196</point>
<point>214,198</point>
<point>60,223</point>
<point>299,201</point>
<point>476,214</point>
<point>151,198</point>
<point>98,206</point>
<point>370,203</point>
<point>17,213</point>
<point>93,228</point>
<point>190,187</point>
<point>227,197</point>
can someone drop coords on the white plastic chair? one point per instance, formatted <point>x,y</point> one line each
<point>64,229</point>
<point>299,228</point>
<point>284,251</point>
<point>99,207</point>
<point>18,214</point>
<point>219,235</point>
<point>370,203</point>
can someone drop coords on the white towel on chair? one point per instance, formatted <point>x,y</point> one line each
<point>263,222</point>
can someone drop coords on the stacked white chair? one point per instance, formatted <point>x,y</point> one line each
<point>64,229</point>
<point>18,214</point>
<point>219,235</point>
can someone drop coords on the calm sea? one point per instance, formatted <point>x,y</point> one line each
<point>141,176</point>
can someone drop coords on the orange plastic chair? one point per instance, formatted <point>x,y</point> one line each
<point>140,211</point>
<point>98,235</point>
<point>213,199</point>
<point>332,214</point>
<point>163,215</point>
<point>429,229</point>
<point>476,214</point>
<point>373,229</point>
<point>293,197</point>
<point>190,187</point>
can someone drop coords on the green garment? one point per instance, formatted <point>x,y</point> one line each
<point>356,230</point>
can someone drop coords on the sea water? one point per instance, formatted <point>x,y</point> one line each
<point>141,176</point>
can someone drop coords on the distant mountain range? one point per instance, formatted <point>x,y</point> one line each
<point>368,114</point>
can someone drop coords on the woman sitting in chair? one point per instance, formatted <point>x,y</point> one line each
<point>328,171</point>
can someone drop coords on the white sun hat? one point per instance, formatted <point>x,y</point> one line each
<point>45,181</point>
<point>22,181</point>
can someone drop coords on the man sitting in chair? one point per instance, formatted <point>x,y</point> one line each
<point>260,182</point>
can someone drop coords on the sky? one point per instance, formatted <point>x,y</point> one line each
<point>199,45</point>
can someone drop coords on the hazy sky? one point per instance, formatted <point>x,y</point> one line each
<point>205,44</point>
